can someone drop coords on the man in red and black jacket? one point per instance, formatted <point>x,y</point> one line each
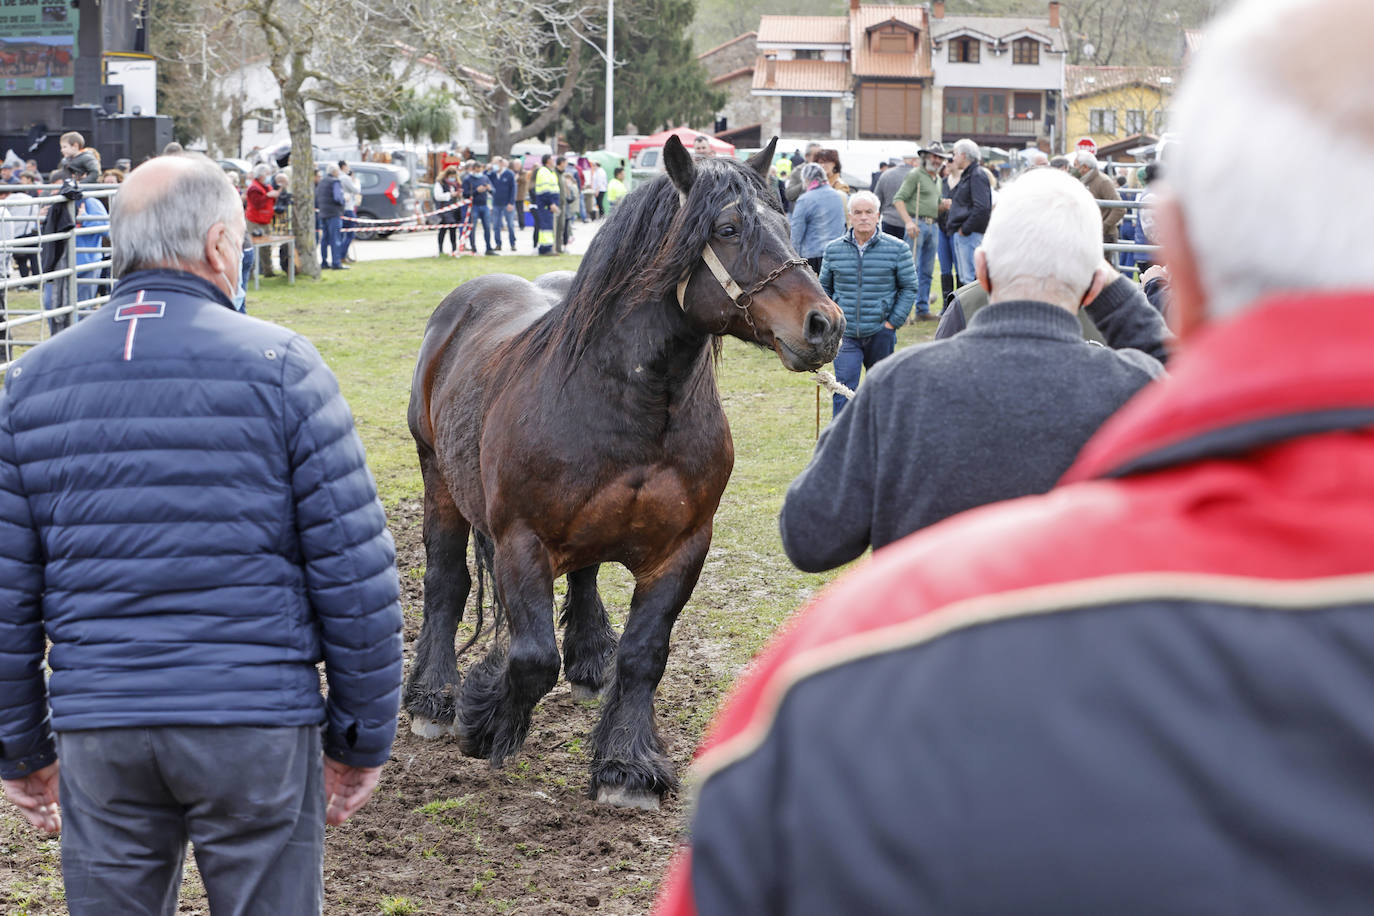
<point>1148,691</point>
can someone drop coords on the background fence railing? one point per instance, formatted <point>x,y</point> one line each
<point>79,279</point>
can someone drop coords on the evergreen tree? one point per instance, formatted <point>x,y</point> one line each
<point>658,80</point>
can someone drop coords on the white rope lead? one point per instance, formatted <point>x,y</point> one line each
<point>831,384</point>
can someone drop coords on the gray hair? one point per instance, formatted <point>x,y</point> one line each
<point>1243,84</point>
<point>261,171</point>
<point>168,226</point>
<point>867,196</point>
<point>333,171</point>
<point>969,149</point>
<point>1084,157</point>
<point>811,172</point>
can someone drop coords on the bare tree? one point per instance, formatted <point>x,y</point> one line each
<point>338,55</point>
<point>514,54</point>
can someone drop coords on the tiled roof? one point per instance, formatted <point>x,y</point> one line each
<point>803,75</point>
<point>871,63</point>
<point>997,27</point>
<point>1082,81</point>
<point>804,30</point>
<point>725,44</point>
<point>732,75</point>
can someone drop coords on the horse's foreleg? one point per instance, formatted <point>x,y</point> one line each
<point>500,693</point>
<point>629,767</point>
<point>432,689</point>
<point>588,637</point>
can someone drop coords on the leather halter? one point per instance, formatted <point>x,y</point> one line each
<point>741,298</point>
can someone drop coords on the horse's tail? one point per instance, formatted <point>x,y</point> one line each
<point>484,552</point>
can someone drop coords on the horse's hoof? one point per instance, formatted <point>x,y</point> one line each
<point>581,693</point>
<point>621,797</point>
<point>429,729</point>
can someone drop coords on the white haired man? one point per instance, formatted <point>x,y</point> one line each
<point>970,205</point>
<point>997,412</point>
<point>1147,692</point>
<point>1101,186</point>
<point>872,278</point>
<point>186,510</point>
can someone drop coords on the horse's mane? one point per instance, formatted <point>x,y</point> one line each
<point>646,246</point>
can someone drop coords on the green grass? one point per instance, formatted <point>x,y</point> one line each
<point>398,906</point>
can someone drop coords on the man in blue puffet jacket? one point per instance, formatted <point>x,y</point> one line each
<point>872,278</point>
<point>185,511</point>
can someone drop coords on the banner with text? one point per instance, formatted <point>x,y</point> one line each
<point>37,47</point>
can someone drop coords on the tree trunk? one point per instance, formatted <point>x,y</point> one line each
<point>302,181</point>
<point>500,138</point>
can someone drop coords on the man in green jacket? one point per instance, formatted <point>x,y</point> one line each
<point>871,277</point>
<point>918,202</point>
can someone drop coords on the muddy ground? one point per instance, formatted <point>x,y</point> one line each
<point>451,835</point>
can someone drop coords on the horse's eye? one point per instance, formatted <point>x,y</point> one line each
<point>728,231</point>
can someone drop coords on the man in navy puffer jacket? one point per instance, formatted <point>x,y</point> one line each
<point>872,278</point>
<point>186,511</point>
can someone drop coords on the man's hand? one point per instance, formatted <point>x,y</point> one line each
<point>36,796</point>
<point>889,325</point>
<point>1103,277</point>
<point>510,206</point>
<point>553,207</point>
<point>346,789</point>
<point>911,225</point>
<point>1156,272</point>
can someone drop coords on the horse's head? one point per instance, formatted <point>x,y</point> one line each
<point>744,278</point>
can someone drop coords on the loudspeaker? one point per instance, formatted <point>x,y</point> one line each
<point>112,99</point>
<point>147,136</point>
<point>83,119</point>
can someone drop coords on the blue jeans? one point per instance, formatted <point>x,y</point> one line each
<point>331,241</point>
<point>480,213</point>
<point>350,219</point>
<point>856,354</point>
<point>505,218</point>
<point>947,265</point>
<point>923,250</point>
<point>964,246</point>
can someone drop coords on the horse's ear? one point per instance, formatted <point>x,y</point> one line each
<point>678,162</point>
<point>761,160</point>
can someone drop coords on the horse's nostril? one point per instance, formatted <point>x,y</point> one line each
<point>817,328</point>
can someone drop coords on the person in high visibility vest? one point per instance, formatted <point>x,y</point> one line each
<point>615,189</point>
<point>546,193</point>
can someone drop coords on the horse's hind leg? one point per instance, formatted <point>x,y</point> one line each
<point>588,638</point>
<point>629,767</point>
<point>499,694</point>
<point>432,689</point>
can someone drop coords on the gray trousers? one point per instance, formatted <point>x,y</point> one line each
<point>250,800</point>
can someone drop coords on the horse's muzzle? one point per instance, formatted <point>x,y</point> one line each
<point>821,337</point>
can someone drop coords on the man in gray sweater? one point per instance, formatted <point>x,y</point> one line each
<point>997,412</point>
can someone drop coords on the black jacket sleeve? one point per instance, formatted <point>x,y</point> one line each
<point>980,211</point>
<point>1128,321</point>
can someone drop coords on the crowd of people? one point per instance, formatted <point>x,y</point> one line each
<point>938,203</point>
<point>1111,653</point>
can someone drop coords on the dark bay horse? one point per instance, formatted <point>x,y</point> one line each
<point>575,421</point>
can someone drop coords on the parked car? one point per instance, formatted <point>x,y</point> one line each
<point>386,195</point>
<point>241,166</point>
